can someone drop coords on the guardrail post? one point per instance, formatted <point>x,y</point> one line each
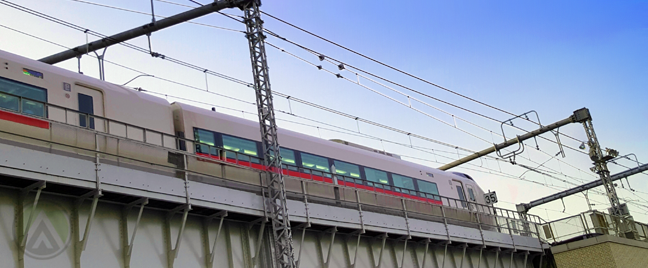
<point>409,234</point>
<point>362,227</point>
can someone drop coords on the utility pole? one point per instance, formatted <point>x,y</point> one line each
<point>579,116</point>
<point>276,193</point>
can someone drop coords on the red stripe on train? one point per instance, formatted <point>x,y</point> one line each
<point>26,120</point>
<point>327,180</point>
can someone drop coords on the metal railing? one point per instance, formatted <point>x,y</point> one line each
<point>451,210</point>
<point>592,223</point>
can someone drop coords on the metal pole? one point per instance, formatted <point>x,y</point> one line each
<point>276,193</point>
<point>143,30</point>
<point>526,207</point>
<point>579,116</point>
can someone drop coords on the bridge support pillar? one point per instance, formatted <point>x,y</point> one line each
<point>209,257</point>
<point>172,251</point>
<point>22,230</point>
<point>127,244</point>
<point>81,242</point>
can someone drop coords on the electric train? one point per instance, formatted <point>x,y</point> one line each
<point>35,94</point>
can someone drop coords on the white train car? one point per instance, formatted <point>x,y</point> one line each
<point>35,96</point>
<point>316,159</point>
<point>32,92</point>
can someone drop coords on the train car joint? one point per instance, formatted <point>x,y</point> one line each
<point>211,255</point>
<point>22,231</point>
<point>172,252</point>
<point>128,243</point>
<point>80,243</point>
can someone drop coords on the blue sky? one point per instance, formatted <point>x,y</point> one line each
<point>549,56</point>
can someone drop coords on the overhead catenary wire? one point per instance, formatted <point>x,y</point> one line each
<point>319,67</point>
<point>126,44</point>
<point>157,16</point>
<point>174,81</point>
<point>221,75</point>
<point>397,70</point>
<point>226,77</point>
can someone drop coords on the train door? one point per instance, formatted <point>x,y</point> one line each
<point>461,193</point>
<point>90,101</point>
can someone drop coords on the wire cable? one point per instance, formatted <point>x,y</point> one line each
<point>396,69</point>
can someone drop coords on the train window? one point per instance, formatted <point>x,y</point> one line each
<point>462,196</point>
<point>316,163</point>
<point>406,184</point>
<point>34,97</point>
<point>346,169</point>
<point>429,189</point>
<point>471,194</point>
<point>86,106</point>
<point>376,178</point>
<point>243,146</point>
<point>288,159</point>
<point>205,137</point>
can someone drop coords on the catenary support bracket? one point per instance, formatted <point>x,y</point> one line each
<point>172,251</point>
<point>128,243</point>
<point>22,231</point>
<point>81,242</point>
<point>209,258</point>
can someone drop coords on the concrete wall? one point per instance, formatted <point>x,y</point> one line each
<point>603,251</point>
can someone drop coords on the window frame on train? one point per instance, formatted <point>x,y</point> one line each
<point>27,100</point>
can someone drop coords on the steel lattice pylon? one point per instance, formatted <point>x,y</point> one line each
<point>600,167</point>
<point>276,194</point>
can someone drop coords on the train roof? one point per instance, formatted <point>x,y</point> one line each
<point>83,79</point>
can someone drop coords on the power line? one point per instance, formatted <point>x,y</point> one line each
<point>490,170</point>
<point>395,69</point>
<point>137,48</point>
<point>242,82</point>
<point>159,16</point>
